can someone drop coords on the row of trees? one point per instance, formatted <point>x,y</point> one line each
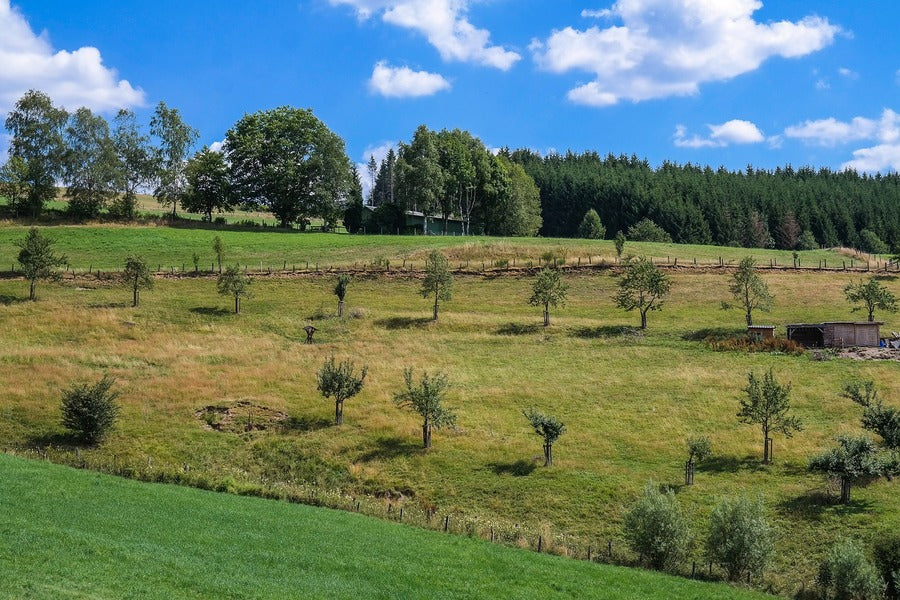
<point>451,173</point>
<point>784,208</point>
<point>284,161</point>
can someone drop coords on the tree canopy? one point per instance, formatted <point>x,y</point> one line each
<point>288,162</point>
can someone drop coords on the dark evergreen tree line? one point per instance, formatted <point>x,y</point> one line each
<point>751,208</point>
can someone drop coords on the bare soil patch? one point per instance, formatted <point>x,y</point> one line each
<point>240,417</point>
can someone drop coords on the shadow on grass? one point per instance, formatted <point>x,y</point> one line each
<point>813,504</point>
<point>305,424</point>
<point>716,333</point>
<point>519,468</point>
<point>605,331</point>
<point>108,305</point>
<point>387,448</point>
<point>7,300</point>
<point>730,464</point>
<point>57,439</point>
<point>519,329</point>
<point>210,311</point>
<point>403,322</point>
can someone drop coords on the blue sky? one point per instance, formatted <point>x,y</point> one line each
<point>720,82</point>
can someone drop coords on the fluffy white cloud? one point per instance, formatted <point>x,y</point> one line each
<point>736,131</point>
<point>403,82</point>
<point>72,79</point>
<point>848,73</point>
<point>669,47</point>
<point>444,24</point>
<point>831,132</point>
<point>880,158</point>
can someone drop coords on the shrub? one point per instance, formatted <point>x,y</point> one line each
<point>887,559</point>
<point>871,243</point>
<point>655,529</point>
<point>739,538</point>
<point>591,227</point>
<point>807,241</point>
<point>90,411</point>
<point>646,230</point>
<point>847,574</point>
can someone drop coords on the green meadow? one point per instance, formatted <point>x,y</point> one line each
<point>229,402</point>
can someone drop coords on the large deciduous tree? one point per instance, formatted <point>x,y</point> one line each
<point>175,138</point>
<point>288,162</point>
<point>870,296</point>
<point>36,128</point>
<point>427,400</point>
<point>137,163</point>
<point>421,179</point>
<point>749,289</point>
<point>642,287</point>
<point>14,184</point>
<point>768,405</point>
<point>208,184</point>
<point>91,166</point>
<point>38,260</point>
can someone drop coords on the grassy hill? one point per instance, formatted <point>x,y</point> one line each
<point>106,246</point>
<point>629,399</point>
<point>74,534</point>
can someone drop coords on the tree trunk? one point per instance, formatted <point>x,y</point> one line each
<point>749,318</point>
<point>845,490</point>
<point>31,294</point>
<point>219,257</point>
<point>338,412</point>
<point>436,293</point>
<point>689,472</point>
<point>548,455</point>
<point>426,435</point>
<point>766,445</point>
<point>546,315</point>
<point>237,304</point>
<point>643,319</point>
<point>871,314</point>
<point>340,309</point>
<point>137,296</point>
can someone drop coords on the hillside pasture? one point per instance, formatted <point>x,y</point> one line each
<point>628,399</point>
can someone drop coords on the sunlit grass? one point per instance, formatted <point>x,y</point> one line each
<point>628,399</point>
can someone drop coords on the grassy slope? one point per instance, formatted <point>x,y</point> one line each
<point>73,534</point>
<point>105,247</point>
<point>628,402</point>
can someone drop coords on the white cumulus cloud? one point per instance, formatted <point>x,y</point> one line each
<point>669,47</point>
<point>884,131</point>
<point>403,82</point>
<point>735,131</point>
<point>444,24</point>
<point>71,78</point>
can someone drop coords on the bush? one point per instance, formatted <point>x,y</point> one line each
<point>807,241</point>
<point>646,230</point>
<point>739,538</point>
<point>655,529</point>
<point>887,559</point>
<point>90,411</point>
<point>847,574</point>
<point>871,243</point>
<point>591,227</point>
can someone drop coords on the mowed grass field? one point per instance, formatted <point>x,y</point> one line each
<point>74,534</point>
<point>628,400</point>
<point>106,247</point>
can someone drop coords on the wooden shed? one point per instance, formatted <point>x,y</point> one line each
<point>838,334</point>
<point>759,333</point>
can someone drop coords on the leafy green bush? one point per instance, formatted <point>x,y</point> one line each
<point>887,559</point>
<point>847,574</point>
<point>807,241</point>
<point>90,411</point>
<point>656,529</point>
<point>871,243</point>
<point>591,227</point>
<point>646,230</point>
<point>739,538</point>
